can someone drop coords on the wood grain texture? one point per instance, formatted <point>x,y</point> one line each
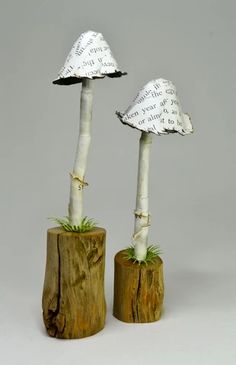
<point>138,290</point>
<point>73,294</point>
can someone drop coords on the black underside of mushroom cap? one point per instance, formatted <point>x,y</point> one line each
<point>75,80</point>
<point>165,130</point>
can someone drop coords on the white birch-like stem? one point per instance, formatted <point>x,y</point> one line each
<point>140,237</point>
<point>77,177</point>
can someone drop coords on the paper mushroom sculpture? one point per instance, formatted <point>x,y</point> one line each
<point>90,58</point>
<point>155,110</point>
<point>73,295</point>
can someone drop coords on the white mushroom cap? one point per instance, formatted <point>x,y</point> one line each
<point>90,57</point>
<point>157,109</point>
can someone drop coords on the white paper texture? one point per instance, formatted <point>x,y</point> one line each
<point>157,109</point>
<point>89,57</point>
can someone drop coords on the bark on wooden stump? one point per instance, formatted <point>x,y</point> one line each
<point>138,290</point>
<point>73,295</point>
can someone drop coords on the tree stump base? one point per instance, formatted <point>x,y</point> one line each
<point>73,295</point>
<point>138,290</point>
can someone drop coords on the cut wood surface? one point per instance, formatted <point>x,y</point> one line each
<point>138,290</point>
<point>73,294</point>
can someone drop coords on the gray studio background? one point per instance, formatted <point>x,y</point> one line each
<point>192,178</point>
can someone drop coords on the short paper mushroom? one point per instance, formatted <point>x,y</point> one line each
<point>155,110</point>
<point>90,58</point>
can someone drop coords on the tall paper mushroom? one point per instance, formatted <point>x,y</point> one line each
<point>155,110</point>
<point>90,58</point>
<point>73,295</point>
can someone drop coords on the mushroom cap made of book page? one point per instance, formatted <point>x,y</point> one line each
<point>90,57</point>
<point>157,109</point>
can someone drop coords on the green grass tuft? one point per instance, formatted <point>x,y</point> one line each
<point>152,253</point>
<point>86,225</point>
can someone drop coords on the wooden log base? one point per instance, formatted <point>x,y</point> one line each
<point>138,290</point>
<point>73,294</point>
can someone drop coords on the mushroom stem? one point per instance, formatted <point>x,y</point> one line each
<point>77,177</point>
<point>140,237</point>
